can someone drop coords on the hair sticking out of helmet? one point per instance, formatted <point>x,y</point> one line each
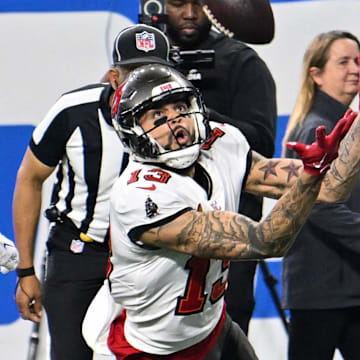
<point>149,87</point>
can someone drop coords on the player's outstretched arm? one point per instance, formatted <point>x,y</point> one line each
<point>272,177</point>
<point>339,180</point>
<point>227,235</point>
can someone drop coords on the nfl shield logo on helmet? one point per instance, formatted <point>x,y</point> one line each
<point>145,41</point>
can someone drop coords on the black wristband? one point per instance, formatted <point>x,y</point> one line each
<point>25,272</point>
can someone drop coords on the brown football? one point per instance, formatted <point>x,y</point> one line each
<point>251,21</point>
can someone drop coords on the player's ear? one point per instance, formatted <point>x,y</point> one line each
<point>115,78</point>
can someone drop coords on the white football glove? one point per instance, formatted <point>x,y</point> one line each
<point>9,256</point>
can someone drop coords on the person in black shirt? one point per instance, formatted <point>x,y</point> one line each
<point>238,90</point>
<point>77,139</point>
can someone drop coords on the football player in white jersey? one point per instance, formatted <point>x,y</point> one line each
<point>174,226</point>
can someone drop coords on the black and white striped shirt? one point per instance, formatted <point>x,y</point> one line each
<point>77,136</point>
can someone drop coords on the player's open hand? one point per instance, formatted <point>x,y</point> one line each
<point>318,156</point>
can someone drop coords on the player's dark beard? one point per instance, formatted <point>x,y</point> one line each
<point>188,42</point>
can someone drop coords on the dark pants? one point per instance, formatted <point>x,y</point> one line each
<point>232,344</point>
<point>239,296</point>
<point>315,334</point>
<point>71,282</point>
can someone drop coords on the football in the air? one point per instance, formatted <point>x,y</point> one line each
<point>251,21</point>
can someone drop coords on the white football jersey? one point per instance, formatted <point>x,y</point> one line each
<point>173,300</point>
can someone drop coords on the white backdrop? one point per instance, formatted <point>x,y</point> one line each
<point>49,48</point>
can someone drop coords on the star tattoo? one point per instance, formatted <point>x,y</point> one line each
<point>292,170</point>
<point>269,169</point>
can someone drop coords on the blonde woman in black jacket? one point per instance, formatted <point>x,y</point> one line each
<point>321,272</point>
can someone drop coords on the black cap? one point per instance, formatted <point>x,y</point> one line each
<point>141,44</point>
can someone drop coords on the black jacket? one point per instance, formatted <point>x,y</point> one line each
<point>240,90</point>
<point>322,268</point>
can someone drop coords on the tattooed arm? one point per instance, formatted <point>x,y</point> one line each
<point>339,180</point>
<point>272,177</point>
<point>226,235</point>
